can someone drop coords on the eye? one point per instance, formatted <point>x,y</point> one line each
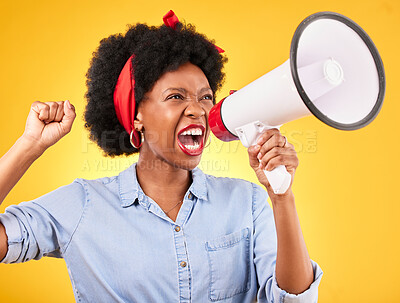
<point>208,97</point>
<point>175,96</point>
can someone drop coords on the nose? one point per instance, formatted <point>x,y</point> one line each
<point>195,109</point>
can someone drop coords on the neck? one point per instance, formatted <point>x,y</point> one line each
<point>162,182</point>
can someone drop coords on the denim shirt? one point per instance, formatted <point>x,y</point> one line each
<point>119,246</point>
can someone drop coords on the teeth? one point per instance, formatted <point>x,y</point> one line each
<point>193,131</point>
<point>195,146</point>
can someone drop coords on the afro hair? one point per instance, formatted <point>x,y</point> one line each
<point>157,50</point>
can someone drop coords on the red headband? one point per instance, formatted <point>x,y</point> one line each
<point>124,93</point>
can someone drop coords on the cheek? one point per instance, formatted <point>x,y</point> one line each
<point>207,109</point>
<point>208,105</point>
<point>161,127</point>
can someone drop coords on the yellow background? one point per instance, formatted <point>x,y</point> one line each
<point>346,185</point>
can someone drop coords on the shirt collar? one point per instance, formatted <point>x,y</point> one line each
<point>199,184</point>
<point>130,191</point>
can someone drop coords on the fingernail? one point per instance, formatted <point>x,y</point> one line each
<point>259,141</point>
<point>259,156</point>
<point>257,147</point>
<point>68,104</point>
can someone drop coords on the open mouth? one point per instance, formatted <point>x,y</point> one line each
<point>190,139</point>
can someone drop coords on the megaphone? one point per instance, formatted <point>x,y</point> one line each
<point>334,72</point>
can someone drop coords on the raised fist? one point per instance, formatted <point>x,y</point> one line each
<point>48,122</point>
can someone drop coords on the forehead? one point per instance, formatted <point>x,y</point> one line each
<point>187,76</point>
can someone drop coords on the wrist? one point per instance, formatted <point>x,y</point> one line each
<point>285,199</point>
<point>30,147</point>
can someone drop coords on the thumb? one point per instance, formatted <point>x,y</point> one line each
<point>253,152</point>
<point>69,116</point>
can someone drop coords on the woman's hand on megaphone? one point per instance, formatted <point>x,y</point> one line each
<point>270,151</point>
<point>47,123</point>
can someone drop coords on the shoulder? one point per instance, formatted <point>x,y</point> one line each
<point>236,186</point>
<point>99,182</point>
<point>235,189</point>
<point>227,182</point>
<point>233,184</point>
<point>95,189</point>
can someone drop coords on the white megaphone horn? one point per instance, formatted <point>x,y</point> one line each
<point>334,72</point>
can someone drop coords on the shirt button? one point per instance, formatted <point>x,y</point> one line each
<point>183,264</point>
<point>190,196</point>
<point>177,228</point>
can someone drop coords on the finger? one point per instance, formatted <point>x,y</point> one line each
<point>33,120</point>
<point>69,116</point>
<point>289,161</point>
<point>276,140</point>
<point>253,152</point>
<point>273,153</point>
<point>60,111</point>
<point>265,136</point>
<point>41,109</point>
<point>53,106</point>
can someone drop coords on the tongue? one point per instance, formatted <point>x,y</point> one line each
<point>186,139</point>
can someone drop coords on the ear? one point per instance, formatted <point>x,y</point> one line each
<point>138,122</point>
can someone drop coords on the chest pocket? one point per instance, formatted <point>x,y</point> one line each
<point>229,265</point>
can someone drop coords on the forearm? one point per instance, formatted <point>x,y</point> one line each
<point>294,272</point>
<point>15,163</point>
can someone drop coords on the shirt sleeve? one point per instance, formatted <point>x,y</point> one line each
<point>265,248</point>
<point>44,226</point>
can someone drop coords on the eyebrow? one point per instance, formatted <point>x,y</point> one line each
<point>183,90</point>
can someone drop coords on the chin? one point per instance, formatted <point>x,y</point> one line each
<point>188,164</point>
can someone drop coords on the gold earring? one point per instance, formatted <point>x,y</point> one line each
<point>136,136</point>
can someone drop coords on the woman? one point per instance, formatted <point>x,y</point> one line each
<point>160,231</point>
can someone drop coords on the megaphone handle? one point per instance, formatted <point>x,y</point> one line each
<point>279,179</point>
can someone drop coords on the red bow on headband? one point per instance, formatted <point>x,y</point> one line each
<point>170,20</point>
<point>124,93</point>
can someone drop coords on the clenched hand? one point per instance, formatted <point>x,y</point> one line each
<point>48,122</point>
